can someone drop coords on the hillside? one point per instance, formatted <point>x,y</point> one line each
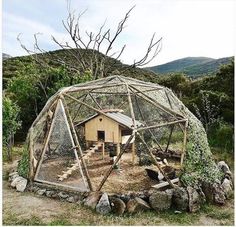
<point>5,56</point>
<point>192,66</point>
<point>13,65</point>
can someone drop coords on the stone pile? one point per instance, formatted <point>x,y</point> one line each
<point>179,198</point>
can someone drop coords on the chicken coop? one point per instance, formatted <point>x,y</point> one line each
<point>71,140</point>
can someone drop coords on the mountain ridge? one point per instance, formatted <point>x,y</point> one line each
<point>192,66</point>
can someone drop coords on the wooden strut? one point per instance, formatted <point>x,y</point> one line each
<point>158,105</point>
<point>168,98</point>
<point>71,137</point>
<point>77,143</point>
<point>90,107</point>
<point>184,143</point>
<point>161,125</point>
<point>116,161</point>
<point>168,143</point>
<point>155,161</point>
<point>46,142</point>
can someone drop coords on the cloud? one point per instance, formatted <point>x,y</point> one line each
<point>188,28</point>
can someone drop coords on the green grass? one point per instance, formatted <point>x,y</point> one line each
<point>14,219</point>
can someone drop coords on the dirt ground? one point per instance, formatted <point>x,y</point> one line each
<point>31,209</point>
<point>128,177</point>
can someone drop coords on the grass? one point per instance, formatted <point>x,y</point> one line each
<point>84,216</point>
<point>14,219</point>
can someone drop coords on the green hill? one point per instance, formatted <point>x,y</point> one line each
<point>192,66</point>
<point>12,66</point>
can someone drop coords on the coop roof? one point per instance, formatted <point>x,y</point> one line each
<point>117,116</point>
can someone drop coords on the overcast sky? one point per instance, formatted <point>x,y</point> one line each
<point>189,28</point>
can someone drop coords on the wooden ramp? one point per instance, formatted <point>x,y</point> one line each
<point>75,166</point>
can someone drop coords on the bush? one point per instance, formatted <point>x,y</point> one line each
<point>23,166</point>
<point>221,135</point>
<point>10,124</point>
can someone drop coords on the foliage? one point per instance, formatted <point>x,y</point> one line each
<point>11,124</point>
<point>221,135</point>
<point>23,166</point>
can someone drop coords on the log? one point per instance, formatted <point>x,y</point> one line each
<point>163,184</point>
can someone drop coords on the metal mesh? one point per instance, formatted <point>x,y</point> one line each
<point>59,156</point>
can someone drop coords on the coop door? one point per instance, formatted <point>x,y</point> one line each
<point>101,135</point>
<point>60,163</point>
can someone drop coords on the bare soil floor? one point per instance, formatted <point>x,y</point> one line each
<point>129,177</point>
<point>31,209</point>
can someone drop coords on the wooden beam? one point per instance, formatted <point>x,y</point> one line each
<point>116,161</point>
<point>71,137</point>
<point>162,125</point>
<point>76,141</point>
<point>60,185</point>
<point>184,143</point>
<point>164,184</point>
<point>46,142</point>
<point>133,153</point>
<point>90,107</point>
<point>155,103</point>
<point>103,150</point>
<point>155,161</point>
<point>168,143</point>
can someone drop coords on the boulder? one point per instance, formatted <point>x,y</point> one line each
<point>21,185</point>
<point>136,205</point>
<point>103,206</point>
<point>63,195</point>
<point>50,193</point>
<point>161,200</point>
<point>227,188</point>
<point>41,191</point>
<point>15,181</point>
<point>218,194</point>
<point>117,206</point>
<point>208,191</point>
<point>92,199</point>
<point>194,199</point>
<point>71,199</point>
<point>180,198</point>
<point>223,167</point>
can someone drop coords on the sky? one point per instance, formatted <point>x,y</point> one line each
<point>187,27</point>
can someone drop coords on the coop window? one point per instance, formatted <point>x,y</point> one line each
<point>100,119</point>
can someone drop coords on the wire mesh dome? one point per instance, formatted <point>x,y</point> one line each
<point>72,140</point>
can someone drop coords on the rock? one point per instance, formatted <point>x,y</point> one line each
<point>194,199</point>
<point>49,193</point>
<point>227,188</point>
<point>15,181</point>
<point>71,199</point>
<point>41,191</point>
<point>218,193</point>
<point>161,200</point>
<point>92,200</point>
<point>117,206</point>
<point>208,191</point>
<point>21,185</point>
<point>180,198</point>
<point>135,205</point>
<point>223,167</point>
<point>103,206</point>
<point>63,195</point>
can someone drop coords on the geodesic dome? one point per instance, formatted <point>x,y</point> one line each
<point>57,144</point>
